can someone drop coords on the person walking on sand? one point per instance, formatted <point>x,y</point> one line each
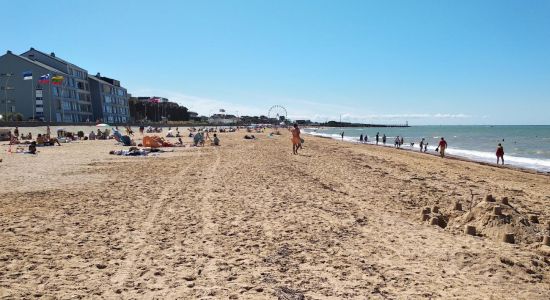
<point>500,154</point>
<point>48,131</point>
<point>296,140</point>
<point>442,146</point>
<point>377,137</point>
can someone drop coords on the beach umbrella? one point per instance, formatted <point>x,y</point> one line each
<point>102,125</point>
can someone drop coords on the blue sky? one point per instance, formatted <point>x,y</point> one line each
<point>428,62</point>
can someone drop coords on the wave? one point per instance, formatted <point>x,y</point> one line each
<point>481,156</point>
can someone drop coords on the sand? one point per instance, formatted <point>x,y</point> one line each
<point>249,220</point>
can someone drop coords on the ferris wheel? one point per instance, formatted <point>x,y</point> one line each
<point>277,112</point>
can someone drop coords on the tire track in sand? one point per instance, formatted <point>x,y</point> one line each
<point>139,239</point>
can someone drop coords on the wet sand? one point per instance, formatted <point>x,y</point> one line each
<point>249,220</point>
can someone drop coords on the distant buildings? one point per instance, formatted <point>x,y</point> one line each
<point>109,100</point>
<point>222,119</point>
<point>57,91</point>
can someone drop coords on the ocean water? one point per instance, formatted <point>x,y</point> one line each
<point>524,146</point>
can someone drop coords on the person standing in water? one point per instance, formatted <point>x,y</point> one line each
<point>342,134</point>
<point>500,154</point>
<point>296,141</point>
<point>442,146</point>
<point>377,137</point>
<point>384,139</point>
<point>422,145</point>
<point>361,138</point>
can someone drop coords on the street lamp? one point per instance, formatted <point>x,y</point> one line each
<point>6,88</point>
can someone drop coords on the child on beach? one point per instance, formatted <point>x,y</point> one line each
<point>32,148</point>
<point>500,153</point>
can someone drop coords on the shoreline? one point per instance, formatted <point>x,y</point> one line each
<point>449,156</point>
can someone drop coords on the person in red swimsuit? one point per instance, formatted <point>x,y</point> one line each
<point>500,153</point>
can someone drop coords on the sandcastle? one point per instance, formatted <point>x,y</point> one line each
<point>491,217</point>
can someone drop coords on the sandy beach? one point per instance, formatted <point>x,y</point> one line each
<point>249,220</point>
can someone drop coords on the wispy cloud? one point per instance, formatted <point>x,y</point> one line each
<point>297,108</point>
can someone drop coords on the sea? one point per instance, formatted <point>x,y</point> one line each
<point>524,146</point>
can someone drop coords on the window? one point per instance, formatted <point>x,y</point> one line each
<point>107,99</point>
<point>66,105</point>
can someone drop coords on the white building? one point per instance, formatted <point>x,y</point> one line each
<point>219,119</point>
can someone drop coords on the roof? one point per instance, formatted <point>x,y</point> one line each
<point>97,79</point>
<point>53,57</point>
<point>38,64</point>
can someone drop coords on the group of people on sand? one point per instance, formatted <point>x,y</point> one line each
<point>201,137</point>
<point>42,140</point>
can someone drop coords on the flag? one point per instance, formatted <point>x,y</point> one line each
<point>27,75</point>
<point>57,80</point>
<point>44,79</point>
<point>154,99</point>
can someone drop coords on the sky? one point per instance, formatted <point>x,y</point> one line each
<point>426,62</point>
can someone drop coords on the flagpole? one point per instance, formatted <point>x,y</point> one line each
<point>62,102</point>
<point>33,99</point>
<point>51,97</point>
